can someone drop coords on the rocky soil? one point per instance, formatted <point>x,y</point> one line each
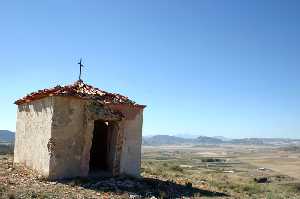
<point>19,182</point>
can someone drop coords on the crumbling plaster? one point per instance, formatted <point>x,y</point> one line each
<point>72,132</point>
<point>54,136</point>
<point>33,131</point>
<point>131,127</point>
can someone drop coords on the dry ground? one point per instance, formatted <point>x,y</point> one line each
<point>19,182</point>
<point>230,169</point>
<point>281,161</point>
<point>174,172</point>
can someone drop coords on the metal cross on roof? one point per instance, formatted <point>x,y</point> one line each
<point>80,66</point>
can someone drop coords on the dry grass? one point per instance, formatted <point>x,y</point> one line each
<point>19,182</point>
<point>284,162</point>
<point>209,172</point>
<point>193,172</point>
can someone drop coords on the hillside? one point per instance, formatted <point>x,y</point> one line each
<point>187,172</point>
<point>7,136</point>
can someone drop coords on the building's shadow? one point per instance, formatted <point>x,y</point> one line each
<point>142,187</point>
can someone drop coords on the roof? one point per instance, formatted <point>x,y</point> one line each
<point>81,90</point>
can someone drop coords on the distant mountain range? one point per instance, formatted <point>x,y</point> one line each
<point>7,136</point>
<point>166,140</point>
<point>174,140</point>
<point>156,140</point>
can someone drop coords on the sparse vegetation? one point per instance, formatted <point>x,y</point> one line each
<point>194,173</point>
<point>292,148</point>
<point>225,174</point>
<point>208,159</point>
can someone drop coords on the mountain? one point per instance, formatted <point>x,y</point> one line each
<point>251,141</point>
<point>265,141</point>
<point>208,140</point>
<point>225,139</point>
<point>7,136</point>
<point>187,135</point>
<point>174,140</point>
<point>166,140</point>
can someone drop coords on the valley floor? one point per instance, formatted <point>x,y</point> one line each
<point>230,169</point>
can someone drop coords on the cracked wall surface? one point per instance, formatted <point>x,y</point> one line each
<point>33,131</point>
<point>68,125</point>
<point>130,140</point>
<point>72,130</point>
<point>131,147</point>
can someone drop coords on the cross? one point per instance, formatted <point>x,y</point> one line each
<point>80,66</point>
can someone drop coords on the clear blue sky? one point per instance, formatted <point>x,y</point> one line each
<point>223,67</point>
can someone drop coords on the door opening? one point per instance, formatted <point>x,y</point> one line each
<point>99,149</point>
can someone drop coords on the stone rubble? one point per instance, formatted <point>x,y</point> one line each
<point>25,183</point>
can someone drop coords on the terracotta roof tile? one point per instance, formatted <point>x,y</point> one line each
<point>81,90</point>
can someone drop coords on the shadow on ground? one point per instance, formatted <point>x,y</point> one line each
<point>143,187</point>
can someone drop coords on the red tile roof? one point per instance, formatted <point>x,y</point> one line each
<point>81,90</point>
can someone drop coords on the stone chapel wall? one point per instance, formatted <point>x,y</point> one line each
<point>33,130</point>
<point>67,137</point>
<point>132,143</point>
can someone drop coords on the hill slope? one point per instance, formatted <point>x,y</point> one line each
<point>7,136</point>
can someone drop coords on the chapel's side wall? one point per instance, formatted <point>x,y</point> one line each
<point>132,141</point>
<point>68,138</point>
<point>33,131</point>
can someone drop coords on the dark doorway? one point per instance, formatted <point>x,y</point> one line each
<point>99,149</point>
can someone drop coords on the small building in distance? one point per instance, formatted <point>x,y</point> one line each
<point>77,131</point>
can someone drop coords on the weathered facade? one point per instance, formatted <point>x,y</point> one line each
<point>77,131</point>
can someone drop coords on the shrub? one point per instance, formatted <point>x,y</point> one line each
<point>177,168</point>
<point>212,160</point>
